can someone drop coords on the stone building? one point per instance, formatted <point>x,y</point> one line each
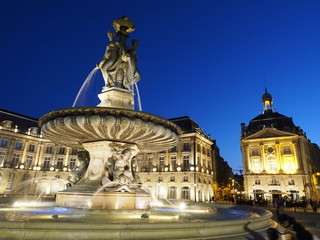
<point>187,171</point>
<point>278,159</point>
<point>25,155</point>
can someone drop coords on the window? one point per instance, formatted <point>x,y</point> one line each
<point>32,147</point>
<point>185,178</point>
<point>257,182</point>
<point>199,180</point>
<point>72,163</point>
<point>160,179</point>
<point>4,143</point>
<point>46,163</point>
<point>173,163</point>
<point>2,157</point>
<point>7,124</point>
<point>28,162</point>
<point>161,163</point>
<point>49,150</point>
<point>286,150</point>
<point>33,131</point>
<point>274,182</point>
<point>289,166</point>
<point>291,182</point>
<point>198,148</point>
<point>74,151</point>
<point>255,151</point>
<point>185,163</point>
<point>62,150</point>
<point>15,160</point>
<point>272,164</point>
<point>60,163</point>
<point>11,180</point>
<point>172,193</point>
<point>0,178</point>
<point>18,146</point>
<point>172,178</point>
<point>150,164</point>
<point>256,165</point>
<point>186,147</point>
<point>185,193</point>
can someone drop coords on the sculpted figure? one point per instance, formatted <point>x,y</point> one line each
<point>76,175</point>
<point>119,63</point>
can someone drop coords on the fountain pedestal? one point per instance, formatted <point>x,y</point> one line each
<point>116,97</point>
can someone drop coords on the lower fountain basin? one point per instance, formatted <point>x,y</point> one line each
<point>208,221</point>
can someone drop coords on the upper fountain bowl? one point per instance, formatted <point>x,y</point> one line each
<point>74,126</point>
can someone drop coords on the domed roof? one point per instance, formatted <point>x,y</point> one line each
<point>266,97</point>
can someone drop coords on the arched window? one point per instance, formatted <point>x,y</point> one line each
<point>185,193</point>
<point>11,180</point>
<point>172,193</point>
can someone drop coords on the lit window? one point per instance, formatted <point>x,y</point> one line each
<point>172,193</point>
<point>28,162</point>
<point>15,160</point>
<point>185,193</point>
<point>185,163</point>
<point>173,163</point>
<point>72,163</point>
<point>256,165</point>
<point>46,163</point>
<point>60,163</point>
<point>289,166</point>
<point>272,164</point>
<point>161,163</point>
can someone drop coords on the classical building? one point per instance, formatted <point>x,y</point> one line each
<point>25,155</point>
<point>278,158</point>
<point>186,172</point>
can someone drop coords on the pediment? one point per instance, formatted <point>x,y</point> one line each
<point>270,133</point>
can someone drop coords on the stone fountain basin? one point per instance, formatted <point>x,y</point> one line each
<point>221,222</point>
<point>74,126</point>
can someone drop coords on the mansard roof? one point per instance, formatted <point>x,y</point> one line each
<point>270,119</point>
<point>186,124</point>
<point>24,122</point>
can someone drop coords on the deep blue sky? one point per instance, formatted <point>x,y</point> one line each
<point>203,59</point>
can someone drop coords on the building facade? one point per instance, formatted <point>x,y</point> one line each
<point>31,164</point>
<point>278,159</point>
<point>185,172</point>
<point>26,157</point>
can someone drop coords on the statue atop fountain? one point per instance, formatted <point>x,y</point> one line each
<point>119,66</point>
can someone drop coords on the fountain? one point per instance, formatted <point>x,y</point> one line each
<point>106,200</point>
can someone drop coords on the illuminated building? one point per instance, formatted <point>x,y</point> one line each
<point>25,155</point>
<point>278,159</point>
<point>187,171</point>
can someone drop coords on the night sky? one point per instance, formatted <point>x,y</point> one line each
<point>208,60</point>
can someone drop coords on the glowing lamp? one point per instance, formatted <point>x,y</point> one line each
<point>192,168</point>
<point>21,166</point>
